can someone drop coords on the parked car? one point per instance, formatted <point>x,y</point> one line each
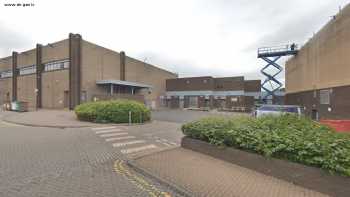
<point>278,110</point>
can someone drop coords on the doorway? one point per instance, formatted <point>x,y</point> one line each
<point>66,99</point>
<point>314,115</point>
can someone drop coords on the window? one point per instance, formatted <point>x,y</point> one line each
<point>234,99</point>
<point>27,70</point>
<point>57,65</point>
<point>325,97</point>
<point>6,74</point>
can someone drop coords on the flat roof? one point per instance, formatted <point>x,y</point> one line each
<point>124,83</point>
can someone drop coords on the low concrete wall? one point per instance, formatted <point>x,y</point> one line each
<point>305,176</point>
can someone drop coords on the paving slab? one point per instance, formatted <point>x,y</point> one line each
<point>46,118</point>
<point>202,175</point>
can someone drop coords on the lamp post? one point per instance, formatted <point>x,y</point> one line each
<point>36,93</point>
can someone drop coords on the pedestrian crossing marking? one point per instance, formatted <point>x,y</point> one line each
<point>102,128</point>
<point>164,143</point>
<point>128,143</point>
<point>119,138</point>
<point>113,134</point>
<point>108,131</point>
<point>138,149</point>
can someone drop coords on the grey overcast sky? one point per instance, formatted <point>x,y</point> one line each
<point>189,37</point>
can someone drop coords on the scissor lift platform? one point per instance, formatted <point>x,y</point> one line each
<point>271,55</point>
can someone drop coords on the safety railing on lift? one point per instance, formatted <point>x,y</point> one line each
<point>282,50</point>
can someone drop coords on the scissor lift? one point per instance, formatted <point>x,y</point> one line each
<point>271,55</point>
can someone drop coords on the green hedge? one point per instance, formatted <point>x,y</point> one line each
<point>116,111</point>
<point>287,137</point>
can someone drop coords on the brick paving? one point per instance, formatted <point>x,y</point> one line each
<point>79,162</point>
<point>46,118</point>
<point>202,175</point>
<point>49,162</point>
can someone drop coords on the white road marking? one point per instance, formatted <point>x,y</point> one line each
<point>102,128</point>
<point>169,142</point>
<point>164,143</point>
<point>119,138</point>
<point>113,134</point>
<point>173,143</point>
<point>108,131</point>
<point>138,149</point>
<point>128,143</point>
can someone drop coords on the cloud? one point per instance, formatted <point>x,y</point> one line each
<point>189,37</point>
<point>11,40</point>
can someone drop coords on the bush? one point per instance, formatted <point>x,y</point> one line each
<point>116,111</point>
<point>289,137</point>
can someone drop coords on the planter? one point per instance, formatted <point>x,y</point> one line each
<point>304,176</point>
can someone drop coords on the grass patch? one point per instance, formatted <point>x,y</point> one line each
<point>288,137</point>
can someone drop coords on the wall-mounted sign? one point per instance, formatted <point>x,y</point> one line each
<point>234,99</point>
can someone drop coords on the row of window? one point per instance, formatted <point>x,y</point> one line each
<point>27,70</point>
<point>57,65</point>
<point>6,74</point>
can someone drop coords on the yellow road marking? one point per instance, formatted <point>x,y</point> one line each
<point>138,181</point>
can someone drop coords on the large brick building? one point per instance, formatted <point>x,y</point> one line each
<point>318,78</point>
<point>233,93</point>
<point>66,73</point>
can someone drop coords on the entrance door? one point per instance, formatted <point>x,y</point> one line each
<point>193,102</point>
<point>314,114</point>
<point>66,99</point>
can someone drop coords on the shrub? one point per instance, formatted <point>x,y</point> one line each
<point>289,137</point>
<point>116,111</point>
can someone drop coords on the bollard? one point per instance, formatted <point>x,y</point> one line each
<point>129,117</point>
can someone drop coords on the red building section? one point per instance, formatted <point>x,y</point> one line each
<point>338,125</point>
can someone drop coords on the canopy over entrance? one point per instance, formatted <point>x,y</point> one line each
<point>124,86</point>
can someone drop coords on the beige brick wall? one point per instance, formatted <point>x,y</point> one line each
<point>5,63</point>
<point>6,83</point>
<point>26,58</point>
<point>324,61</point>
<point>55,83</point>
<point>53,87</point>
<point>144,73</point>
<point>55,51</point>
<point>26,86</point>
<point>99,63</point>
<point>5,87</point>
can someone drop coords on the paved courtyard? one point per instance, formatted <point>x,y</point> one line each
<point>92,160</point>
<point>74,162</point>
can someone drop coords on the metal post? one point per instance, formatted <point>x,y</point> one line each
<point>129,117</point>
<point>112,90</point>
